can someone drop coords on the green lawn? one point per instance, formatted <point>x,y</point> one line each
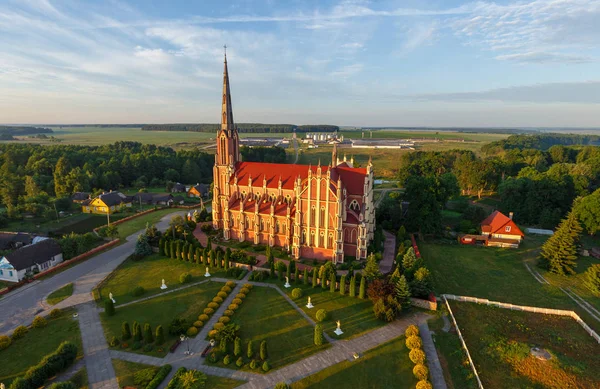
<point>60,294</point>
<point>87,222</point>
<point>139,223</point>
<point>37,343</point>
<point>161,310</point>
<point>266,315</point>
<point>80,379</point>
<point>214,382</point>
<point>499,341</point>
<point>125,371</point>
<point>148,274</point>
<point>385,366</point>
<point>356,315</point>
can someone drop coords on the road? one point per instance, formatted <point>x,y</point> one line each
<point>22,305</point>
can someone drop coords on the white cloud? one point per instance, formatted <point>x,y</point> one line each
<point>347,71</point>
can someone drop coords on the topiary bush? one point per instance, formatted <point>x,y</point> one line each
<point>5,341</point>
<point>237,301</point>
<point>159,377</point>
<point>226,289</point>
<point>149,347</point>
<point>213,305</point>
<point>138,291</point>
<point>19,332</point>
<point>218,326</point>
<point>424,384</point>
<point>247,286</point>
<point>230,284</point>
<point>39,322</point>
<point>217,300</point>
<point>198,324</point>
<point>413,342</point>
<point>226,360</point>
<point>109,307</point>
<point>254,364</point>
<point>208,311</point>
<point>318,338</point>
<point>228,312</point>
<point>245,290</point>
<point>185,278</point>
<point>239,362</point>
<point>240,296</point>
<point>136,345</point>
<point>222,295</point>
<point>224,319</point>
<point>421,371</point>
<point>297,293</point>
<point>204,317</point>
<point>114,342</point>
<point>55,313</point>
<point>417,356</point>
<point>412,330</point>
<point>321,315</point>
<point>266,366</point>
<point>192,331</point>
<point>233,307</point>
<point>282,385</point>
<point>212,334</point>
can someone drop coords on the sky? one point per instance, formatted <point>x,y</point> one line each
<point>364,63</point>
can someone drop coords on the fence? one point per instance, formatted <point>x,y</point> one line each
<point>414,245</point>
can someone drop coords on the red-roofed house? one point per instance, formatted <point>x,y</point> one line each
<point>322,212</point>
<point>501,230</point>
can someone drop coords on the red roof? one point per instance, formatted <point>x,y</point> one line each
<point>496,224</point>
<point>352,178</point>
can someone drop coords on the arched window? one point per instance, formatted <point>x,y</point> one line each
<point>311,240</point>
<point>313,215</point>
<point>303,237</point>
<point>330,243</point>
<point>288,199</point>
<point>354,206</point>
<point>277,226</point>
<point>322,239</point>
<point>283,228</point>
<point>247,223</point>
<point>262,225</point>
<point>322,217</point>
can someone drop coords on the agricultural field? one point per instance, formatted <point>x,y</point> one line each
<point>500,341</point>
<point>409,134</point>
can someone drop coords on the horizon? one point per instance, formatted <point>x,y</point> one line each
<point>504,64</point>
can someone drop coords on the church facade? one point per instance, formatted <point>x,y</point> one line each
<point>321,212</point>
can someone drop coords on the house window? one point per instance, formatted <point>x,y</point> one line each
<point>1,273</point>
<point>507,229</point>
<point>277,226</point>
<point>312,216</point>
<point>10,273</point>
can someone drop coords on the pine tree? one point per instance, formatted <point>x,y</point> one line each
<point>219,261</point>
<point>161,247</point>
<point>272,269</point>
<point>172,250</point>
<point>409,259</point>
<point>227,258</point>
<point>263,350</point>
<point>178,250</point>
<point>209,244</point>
<point>305,276</point>
<point>160,335</point>
<point>559,253</point>
<point>371,270</point>
<point>395,276</point>
<point>403,292</point>
<point>288,271</point>
<point>361,290</point>
<point>125,331</point>
<point>137,332</point>
<point>205,257</point>
<point>109,307</point>
<point>352,286</point>
<point>213,258</point>
<point>332,281</point>
<point>250,350</point>
<point>167,248</point>
<point>237,347</point>
<point>314,278</point>
<point>148,338</point>
<point>343,285</point>
<point>184,251</point>
<point>297,275</point>
<point>323,280</point>
<point>198,256</point>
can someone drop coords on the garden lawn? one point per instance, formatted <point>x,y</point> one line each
<point>139,223</point>
<point>36,344</point>
<point>356,315</point>
<point>266,315</point>
<point>60,294</point>
<point>125,372</point>
<point>214,382</point>
<point>148,273</point>
<point>187,304</point>
<point>80,379</point>
<point>385,366</point>
<point>499,341</point>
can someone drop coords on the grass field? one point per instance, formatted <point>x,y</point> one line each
<point>386,366</point>
<point>80,379</point>
<point>161,310</point>
<point>266,315</point>
<point>148,274</point>
<point>125,371</point>
<point>60,294</point>
<point>214,382</point>
<point>500,340</point>
<point>356,315</point>
<point>442,135</point>
<point>78,222</point>
<point>139,223</point>
<point>37,343</point>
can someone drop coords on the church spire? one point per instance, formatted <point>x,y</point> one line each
<point>227,109</point>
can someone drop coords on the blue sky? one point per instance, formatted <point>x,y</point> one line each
<point>378,63</point>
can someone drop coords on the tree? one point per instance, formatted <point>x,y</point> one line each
<point>560,250</point>
<point>361,290</point>
<point>403,292</point>
<point>125,331</point>
<point>142,247</point>
<point>323,280</point>
<point>213,258</point>
<point>296,275</point>
<point>288,273</point>
<point>371,270</point>
<point>148,338</point>
<point>263,350</point>
<point>160,335</point>
<point>109,307</point>
<point>343,285</point>
<point>272,269</point>
<point>137,332</point>
<point>318,339</point>
<point>352,291</point>
<point>314,278</point>
<point>250,351</point>
<point>190,172</point>
<point>305,276</point>
<point>332,282</point>
<point>592,279</point>
<point>420,286</point>
<point>409,260</point>
<point>237,347</point>
<point>588,212</point>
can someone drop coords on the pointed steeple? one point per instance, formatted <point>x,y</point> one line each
<point>227,109</point>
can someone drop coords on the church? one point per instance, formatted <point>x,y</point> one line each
<point>320,212</point>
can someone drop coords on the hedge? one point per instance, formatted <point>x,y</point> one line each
<point>159,377</point>
<point>173,384</point>
<point>49,366</point>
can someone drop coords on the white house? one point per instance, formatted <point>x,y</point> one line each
<point>33,258</point>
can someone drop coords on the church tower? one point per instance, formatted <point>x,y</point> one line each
<point>226,157</point>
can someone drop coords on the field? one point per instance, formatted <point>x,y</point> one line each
<point>386,366</point>
<point>37,343</point>
<point>161,310</point>
<point>500,340</point>
<point>77,222</point>
<point>60,294</point>
<point>442,135</point>
<point>139,223</point>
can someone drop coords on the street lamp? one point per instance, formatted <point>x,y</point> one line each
<point>187,342</point>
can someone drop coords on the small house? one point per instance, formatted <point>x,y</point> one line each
<point>501,231</point>
<point>143,198</point>
<point>178,188</point>
<point>106,203</point>
<point>31,259</point>
<point>80,197</point>
<point>198,190</point>
<point>179,200</point>
<point>162,199</point>
<point>14,240</point>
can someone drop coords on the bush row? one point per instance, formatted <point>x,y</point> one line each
<point>254,361</point>
<point>235,304</point>
<point>161,374</point>
<point>49,366</point>
<point>417,356</point>
<point>21,331</point>
<point>138,336</point>
<point>211,308</point>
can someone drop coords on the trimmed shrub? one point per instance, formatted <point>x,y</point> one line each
<point>233,307</point>
<point>412,330</point>
<point>49,366</point>
<point>247,286</point>
<point>297,293</point>
<point>39,322</point>
<point>137,331</point>
<point>114,342</point>
<point>414,342</point>
<point>318,335</point>
<point>192,331</point>
<point>226,289</point>
<point>212,358</point>
<point>198,324</point>
<point>213,305</point>
<point>361,289</point>
<point>5,341</point>
<point>230,284</point>
<point>55,313</point>
<point>143,377</point>
<point>250,350</point>
<point>204,317</point>
<point>208,311</point>
<point>217,300</point>
<point>109,307</point>
<point>138,291</point>
<point>237,301</point>
<point>218,326</point>
<point>136,345</point>
<point>266,366</point>
<point>254,364</point>
<point>125,331</point>
<point>237,347</point>
<point>212,334</point>
<point>63,385</point>
<point>185,278</point>
<point>228,312</point>
<point>239,362</point>
<point>424,384</point>
<point>321,315</point>
<point>19,332</point>
<point>222,295</point>
<point>343,285</point>
<point>148,337</point>
<point>245,290</point>
<point>160,376</point>
<point>282,385</point>
<point>159,336</point>
<point>417,356</point>
<point>421,371</point>
<point>226,360</point>
<point>148,348</point>
<point>224,319</point>
<point>263,350</point>
<point>240,296</point>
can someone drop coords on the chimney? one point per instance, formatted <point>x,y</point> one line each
<point>510,215</point>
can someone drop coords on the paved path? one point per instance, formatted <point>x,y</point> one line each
<point>433,362</point>
<point>389,253</point>
<point>101,374</point>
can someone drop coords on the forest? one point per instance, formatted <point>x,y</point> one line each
<point>539,142</point>
<point>242,127</point>
<point>19,130</point>
<point>34,179</point>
